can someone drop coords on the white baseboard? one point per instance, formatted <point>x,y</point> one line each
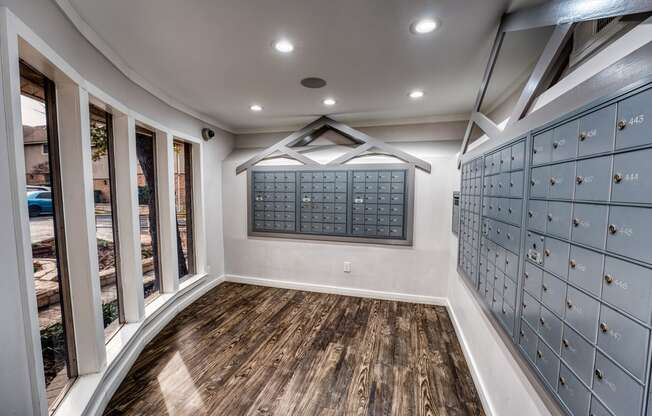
<point>338,290</point>
<point>471,362</point>
<point>90,393</point>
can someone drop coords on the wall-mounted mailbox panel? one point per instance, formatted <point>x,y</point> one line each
<point>357,203</point>
<point>583,312</point>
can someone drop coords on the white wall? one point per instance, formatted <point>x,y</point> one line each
<point>21,371</point>
<point>407,271</point>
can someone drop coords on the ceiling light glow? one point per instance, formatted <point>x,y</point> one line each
<point>329,101</point>
<point>423,26</point>
<point>416,94</point>
<point>256,107</point>
<point>283,46</point>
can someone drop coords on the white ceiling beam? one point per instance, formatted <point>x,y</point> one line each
<point>547,61</point>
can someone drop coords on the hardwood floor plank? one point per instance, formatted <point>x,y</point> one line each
<point>249,350</point>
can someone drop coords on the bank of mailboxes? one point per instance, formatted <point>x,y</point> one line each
<point>470,203</point>
<point>578,301</point>
<point>361,203</point>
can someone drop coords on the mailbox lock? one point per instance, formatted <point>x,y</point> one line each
<point>526,275</point>
<point>604,327</point>
<point>553,181</point>
<point>549,217</point>
<point>613,229</point>
<point>521,333</point>
<point>547,252</point>
<point>509,210</point>
<point>582,136</point>
<point>530,214</point>
<point>569,304</point>
<point>573,263</point>
<point>532,182</point>
<point>545,289</point>
<point>555,145</point>
<point>539,354</point>
<point>608,278</point>
<point>576,222</point>
<point>565,342</point>
<point>618,178</point>
<point>598,373</point>
<point>622,124</point>
<point>579,180</point>
<point>562,381</point>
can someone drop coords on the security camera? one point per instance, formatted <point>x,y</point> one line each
<point>207,134</point>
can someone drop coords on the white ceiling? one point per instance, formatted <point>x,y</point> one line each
<point>215,56</point>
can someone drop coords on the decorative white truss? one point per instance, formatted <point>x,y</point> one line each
<point>309,133</point>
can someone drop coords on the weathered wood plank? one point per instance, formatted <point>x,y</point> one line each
<point>248,350</point>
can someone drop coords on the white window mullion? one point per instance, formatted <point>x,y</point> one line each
<point>166,210</point>
<point>126,195</point>
<point>79,217</point>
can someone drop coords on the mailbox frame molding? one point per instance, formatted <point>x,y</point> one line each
<point>409,170</point>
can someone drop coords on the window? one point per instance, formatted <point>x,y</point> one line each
<point>105,219</point>
<point>146,154</point>
<point>183,207</point>
<point>45,149</point>
<point>38,111</point>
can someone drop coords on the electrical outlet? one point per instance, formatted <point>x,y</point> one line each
<point>347,267</point>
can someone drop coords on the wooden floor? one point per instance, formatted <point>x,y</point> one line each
<point>250,350</point>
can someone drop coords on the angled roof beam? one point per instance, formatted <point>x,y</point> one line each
<point>379,144</point>
<point>568,11</point>
<point>289,141</point>
<point>298,156</point>
<point>351,154</point>
<point>489,127</point>
<point>495,48</point>
<point>547,61</point>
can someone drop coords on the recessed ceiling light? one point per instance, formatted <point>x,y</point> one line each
<point>256,107</point>
<point>423,26</point>
<point>416,94</point>
<point>329,101</point>
<point>283,46</point>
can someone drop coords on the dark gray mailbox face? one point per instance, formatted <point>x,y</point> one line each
<point>358,203</point>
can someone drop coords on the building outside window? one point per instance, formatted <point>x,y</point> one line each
<point>105,219</point>
<point>183,208</point>
<point>44,204</point>
<point>148,213</point>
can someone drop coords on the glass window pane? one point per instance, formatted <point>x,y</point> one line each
<point>146,154</point>
<point>105,220</point>
<point>183,207</point>
<point>46,232</point>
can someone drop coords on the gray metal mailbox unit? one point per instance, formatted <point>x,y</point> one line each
<point>362,203</point>
<point>365,203</point>
<point>565,263</point>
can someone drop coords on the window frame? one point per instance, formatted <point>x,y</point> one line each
<point>189,200</point>
<point>108,121</point>
<point>140,130</point>
<point>61,252</point>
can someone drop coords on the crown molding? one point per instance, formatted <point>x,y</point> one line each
<point>98,43</point>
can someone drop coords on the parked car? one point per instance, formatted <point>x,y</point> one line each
<point>31,188</point>
<point>39,202</point>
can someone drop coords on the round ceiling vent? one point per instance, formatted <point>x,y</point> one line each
<point>313,82</point>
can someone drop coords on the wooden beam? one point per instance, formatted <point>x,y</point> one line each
<point>289,141</point>
<point>489,127</point>
<point>542,69</point>
<point>493,55</point>
<point>298,156</point>
<point>358,135</point>
<point>570,11</point>
<point>351,154</point>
